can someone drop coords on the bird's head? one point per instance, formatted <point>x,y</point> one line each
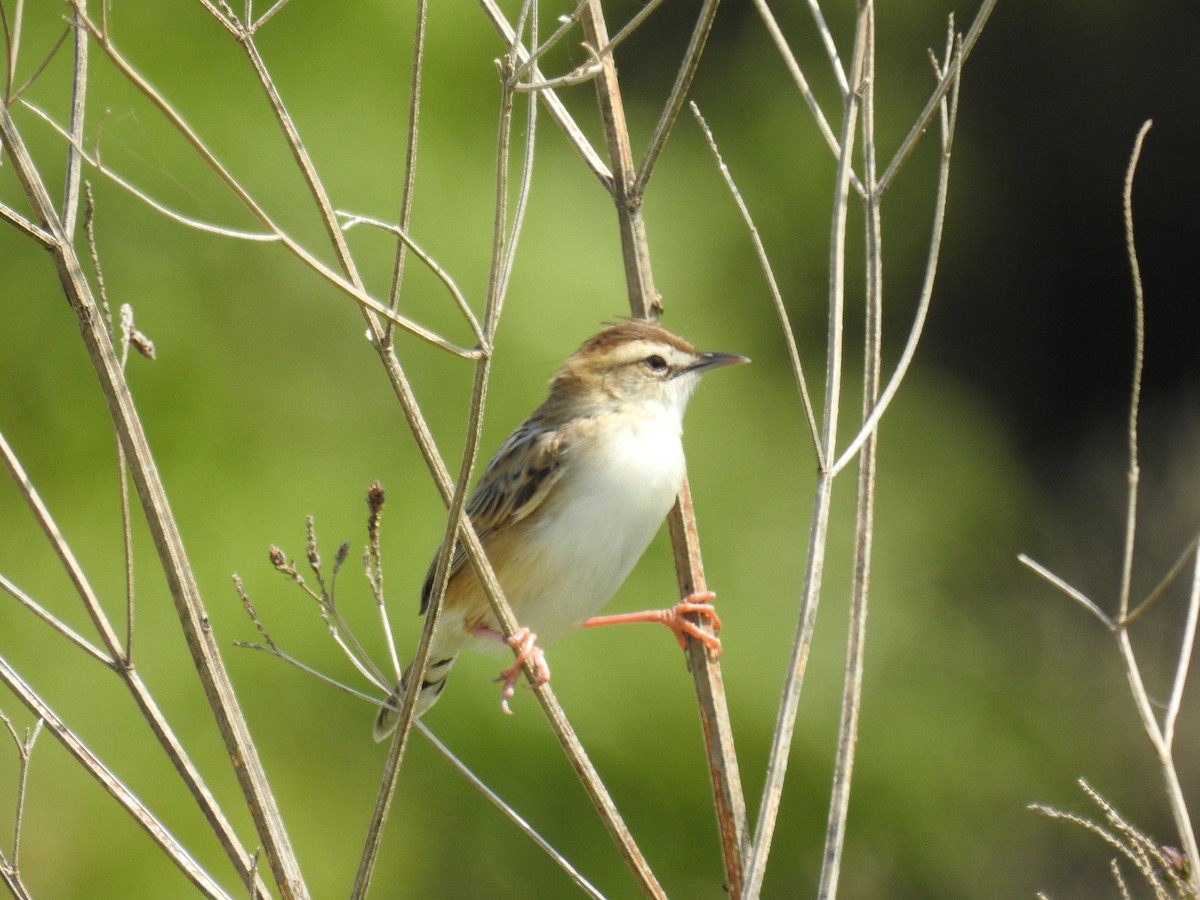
<point>635,365</point>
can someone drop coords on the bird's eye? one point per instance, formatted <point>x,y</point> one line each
<point>655,363</point>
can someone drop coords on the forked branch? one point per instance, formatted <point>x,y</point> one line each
<point>1161,733</point>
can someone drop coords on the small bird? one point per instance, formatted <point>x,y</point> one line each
<point>570,502</point>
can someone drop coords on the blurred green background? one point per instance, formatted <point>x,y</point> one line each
<point>984,690</point>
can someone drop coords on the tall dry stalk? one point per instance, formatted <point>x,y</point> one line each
<point>1159,727</point>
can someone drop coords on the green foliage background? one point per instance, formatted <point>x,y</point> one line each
<point>983,691</point>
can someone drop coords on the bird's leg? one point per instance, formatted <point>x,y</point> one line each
<point>699,603</point>
<point>524,642</point>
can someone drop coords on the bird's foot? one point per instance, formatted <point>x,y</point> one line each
<point>676,618</point>
<point>524,642</point>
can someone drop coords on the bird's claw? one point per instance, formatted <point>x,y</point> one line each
<point>524,642</point>
<point>700,604</point>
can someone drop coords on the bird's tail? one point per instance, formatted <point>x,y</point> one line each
<point>432,686</point>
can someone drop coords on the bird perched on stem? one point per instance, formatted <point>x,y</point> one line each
<point>570,502</point>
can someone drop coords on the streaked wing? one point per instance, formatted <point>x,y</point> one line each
<point>515,483</point>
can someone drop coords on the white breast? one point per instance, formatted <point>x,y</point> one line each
<point>609,505</point>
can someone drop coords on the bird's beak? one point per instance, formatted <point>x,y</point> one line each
<point>708,361</point>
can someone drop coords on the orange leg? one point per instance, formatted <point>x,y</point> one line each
<point>524,642</point>
<point>674,618</point>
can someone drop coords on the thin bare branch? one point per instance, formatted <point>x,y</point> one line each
<point>554,106</point>
<point>501,275</point>
<point>789,336</point>
<point>712,704</point>
<point>1185,658</point>
<point>1167,580</point>
<point>818,534</point>
<point>1072,592</point>
<point>644,300</point>
<point>266,17</point>
<point>674,104</point>
<point>793,66</point>
<point>513,816</point>
<point>62,550</point>
<point>271,648</point>
<point>645,303</point>
<point>565,24</point>
<point>410,157</point>
<point>175,851</point>
<point>839,798</point>
<point>1160,734</point>
<point>629,27</point>
<point>949,121</point>
<point>162,525</point>
<point>1129,847</point>
<point>349,286</point>
<point>342,635</point>
<point>1139,359</point>
<point>70,207</point>
<point>933,104</point>
<point>96,163</point>
<point>10,865</point>
<point>353,219</point>
<point>26,227</point>
<point>56,623</point>
<point>224,14</point>
<point>41,67</point>
<point>117,659</point>
<point>1162,748</point>
<point>12,45</point>
<point>835,61</point>
<point>408,701</point>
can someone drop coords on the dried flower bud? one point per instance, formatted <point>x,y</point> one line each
<point>340,557</point>
<point>141,344</point>
<point>375,498</point>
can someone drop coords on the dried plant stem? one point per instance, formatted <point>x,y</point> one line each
<point>93,766</point>
<point>818,534</point>
<point>875,402</point>
<point>79,82</point>
<point>451,535</point>
<point>10,865</point>
<point>949,120</point>
<point>1165,582</point>
<point>1139,361</point>
<point>1160,733</point>
<point>627,187</point>
<point>789,336</point>
<point>1145,854</point>
<point>117,659</point>
<point>558,112</point>
<point>351,287</point>
<point>674,104</point>
<point>933,104</point>
<point>163,527</point>
<point>644,300</point>
<point>29,229</point>
<point>839,800</point>
<point>582,883</point>
<point>1161,736</point>
<point>712,704</point>
<point>410,154</point>
<point>802,85</point>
